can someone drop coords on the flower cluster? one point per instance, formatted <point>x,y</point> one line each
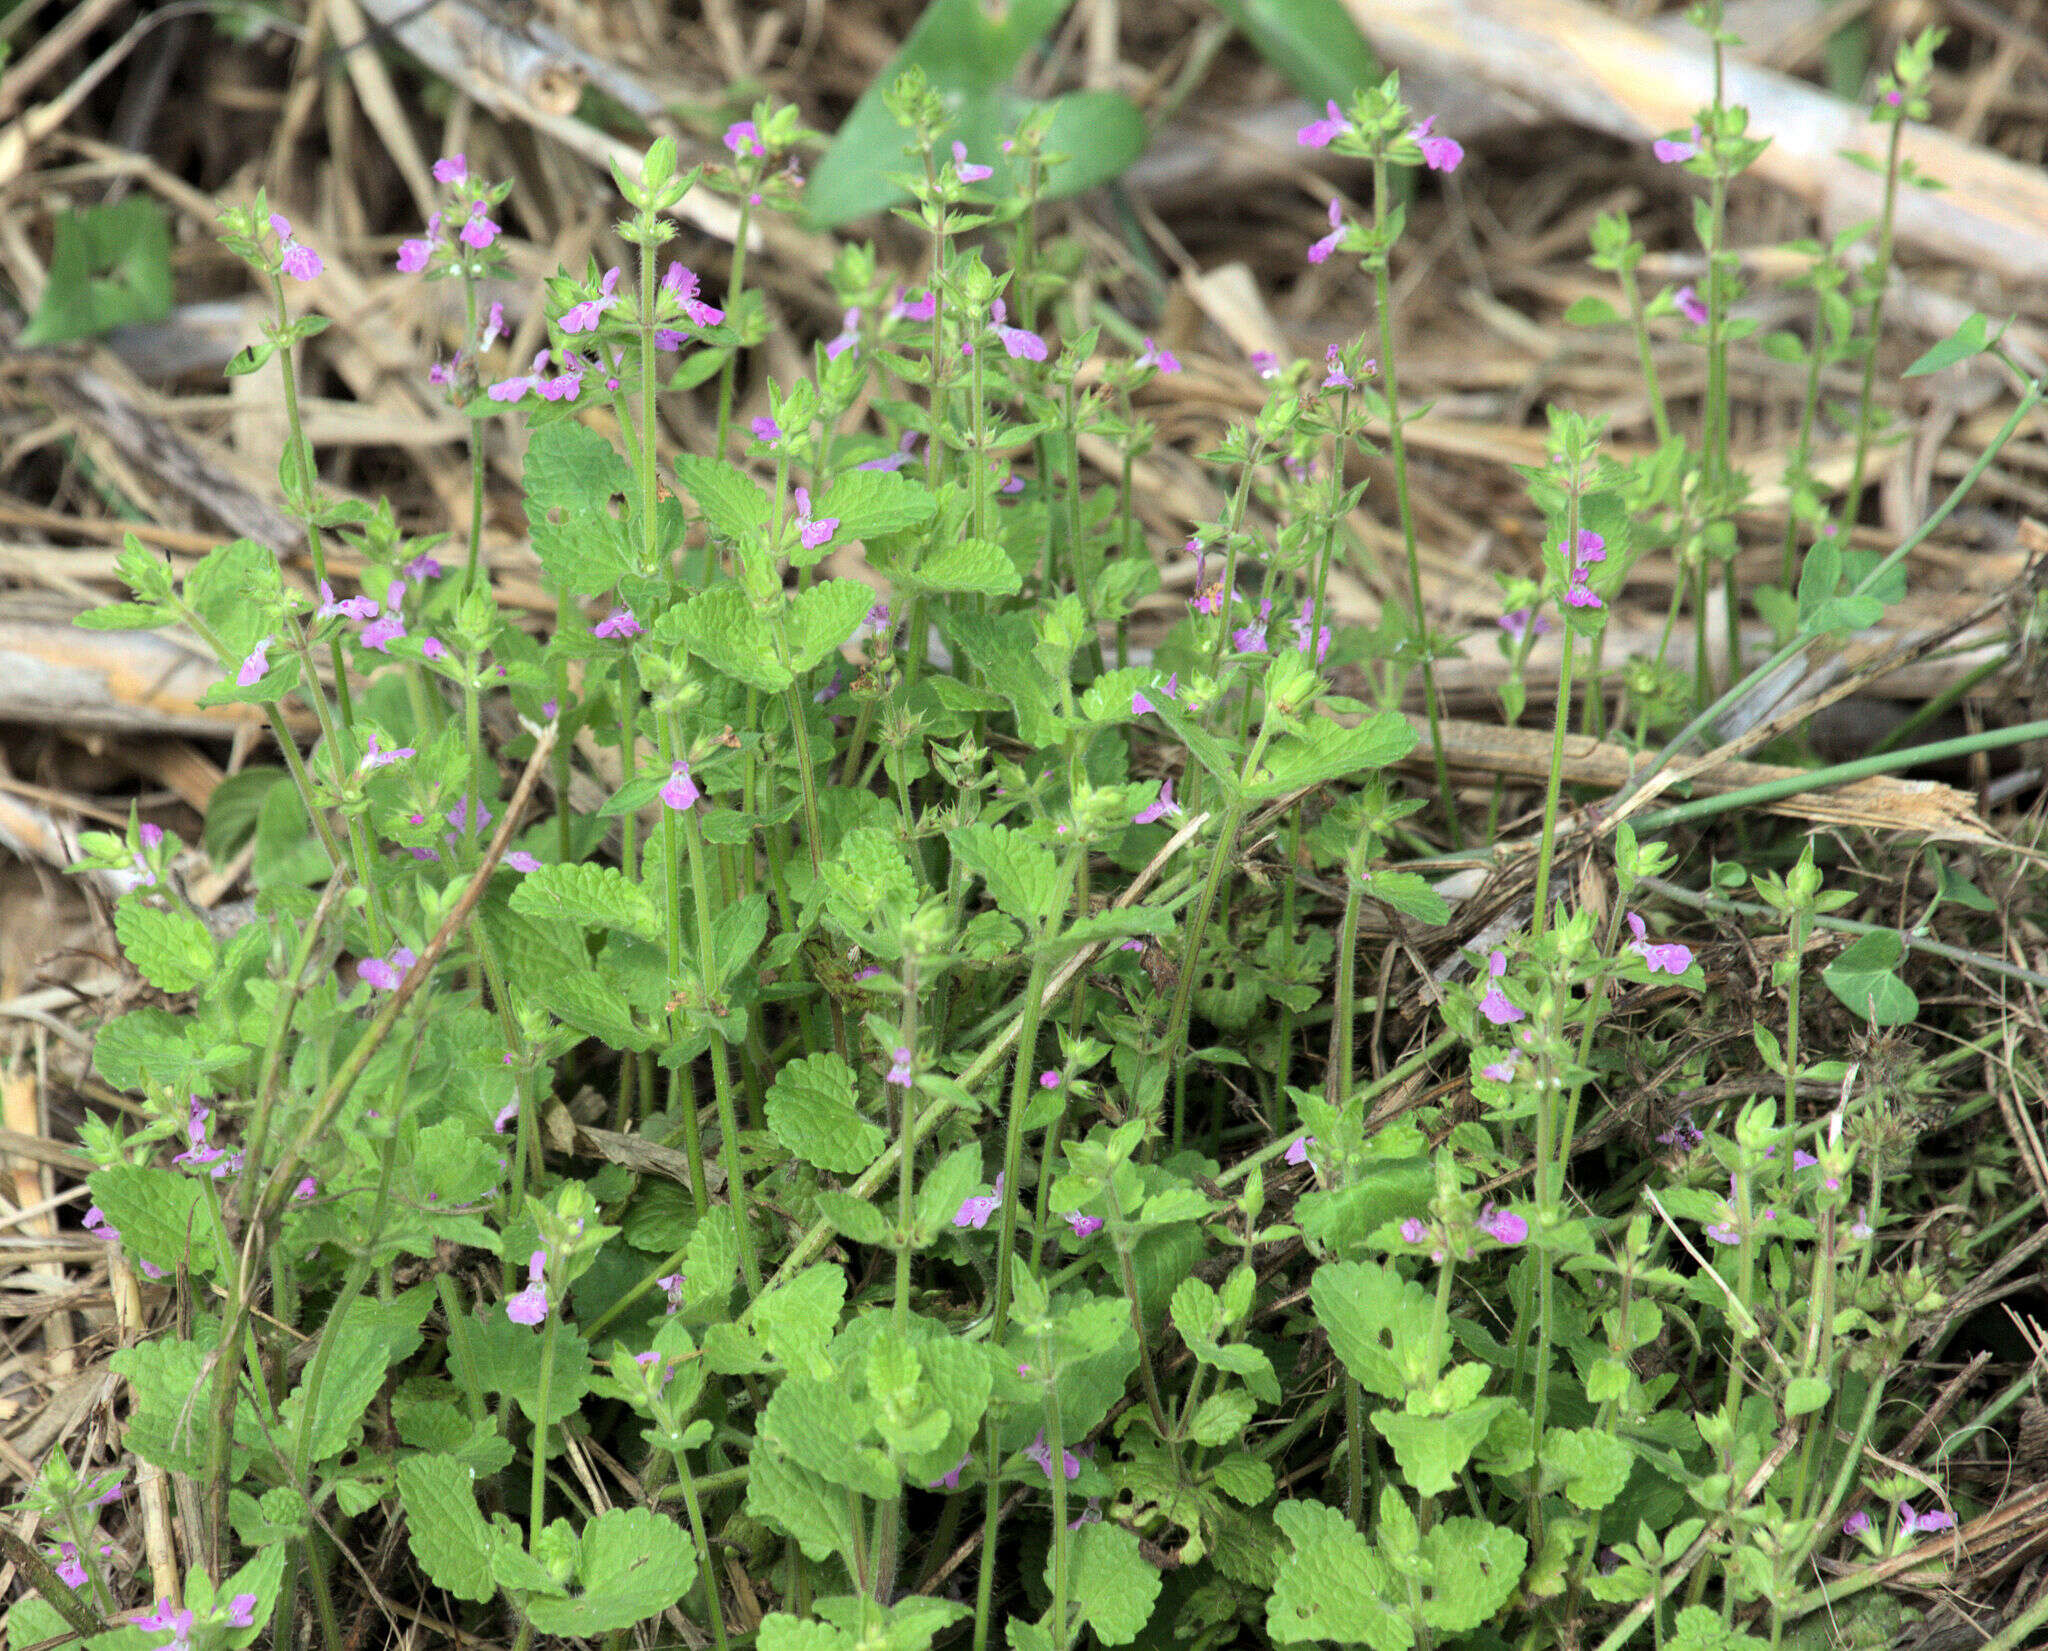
<point>1588,549</point>
<point>462,227</point>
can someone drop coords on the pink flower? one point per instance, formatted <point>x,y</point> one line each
<point>680,791</point>
<point>905,445</point>
<point>1041,1453</point>
<point>1335,377</point>
<point>1085,1226</point>
<point>520,860</point>
<point>69,1571</point>
<point>511,389</point>
<point>451,169</point>
<point>1299,624</point>
<point>1522,622</point>
<point>530,1306</point>
<point>458,816</point>
<point>950,1480</point>
<point>479,232</point>
<point>1495,1005</point>
<point>1140,705</point>
<point>899,1073</point>
<point>306,1189</point>
<point>672,1286</point>
<point>413,255</point>
<point>199,1154</point>
<point>1160,807</point>
<point>1591,547</point>
<point>1502,1070</point>
<point>1297,1149</point>
<point>743,138</point>
<point>385,973</point>
<point>1683,1134</point>
<point>1580,595</point>
<point>1048,1079</point>
<point>1021,345</point>
<point>508,1115</point>
<point>1438,154</point>
<point>920,308</point>
<point>1165,360</point>
<point>1912,1524</point>
<point>1669,958</point>
<point>1414,1232</point>
<point>358,608</point>
<point>566,385</point>
<point>1328,244</point>
<point>379,634</point>
<point>1859,1521</point>
<point>255,666</point>
<point>681,283</point>
<point>494,327</point>
<point>619,623</point>
<point>301,262</point>
<point>813,534</point>
<point>974,1212</point>
<point>1265,363</point>
<point>99,1226</point>
<point>1690,305</point>
<point>1670,151</point>
<point>1320,134</point>
<point>969,173</point>
<point>1502,1226</point>
<point>584,316</point>
<point>375,757</point>
<point>766,429</point>
<point>848,337</point>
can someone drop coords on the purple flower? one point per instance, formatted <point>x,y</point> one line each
<point>1165,360</point>
<point>1265,363</point>
<point>1320,134</point>
<point>520,860</point>
<point>1579,594</point>
<point>255,666</point>
<point>922,307</point>
<point>1021,345</point>
<point>301,262</point>
<point>1414,1232</point>
<point>680,791</point>
<point>1912,1523</point>
<point>385,973</point>
<point>877,617</point>
<point>99,1226</point>
<point>530,1306</point>
<point>1251,639</point>
<point>1495,1006</point>
<point>1669,958</point>
<point>69,1571</point>
<point>1591,547</point>
<point>508,1115</point>
<point>672,1286</point>
<point>1048,1079</point>
<point>1859,1521</point>
<point>1335,377</point>
<point>178,1622</point>
<point>1502,1226</point>
<point>1438,154</point>
<point>306,1189</point>
<point>152,834</point>
<point>848,337</point>
<point>379,634</point>
<point>974,1212</point>
<point>1670,151</point>
<point>413,255</point>
<point>1041,1453</point>
<point>1299,624</point>
<point>423,566</point>
<point>950,1480</point>
<point>357,608</point>
<point>1502,1070</point>
<point>1297,1149</point>
<point>1328,244</point>
<point>1140,705</point>
<point>899,1073</point>
<point>376,758</point>
<point>969,173</point>
<point>511,389</point>
<point>458,816</point>
<point>479,232</point>
<point>199,1154</point>
<point>813,534</point>
<point>1160,807</point>
<point>743,138</point>
<point>1522,622</point>
<point>1683,1134</point>
<point>896,460</point>
<point>766,429</point>
<point>1690,305</point>
<point>1084,1226</point>
<point>618,623</point>
<point>584,316</point>
<point>681,283</point>
<point>567,385</point>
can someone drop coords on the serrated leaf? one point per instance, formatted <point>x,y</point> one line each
<point>160,1215</point>
<point>1331,1586</point>
<point>1197,1314</point>
<point>811,1111</point>
<point>729,499</point>
<point>1245,1479</point>
<point>1593,1465</point>
<point>1806,1394</point>
<point>1433,1450</point>
<point>977,565</point>
<point>172,950</point>
<point>799,1503</point>
<point>588,895</point>
<point>1328,751</point>
<point>633,1563</point>
<point>722,629</point>
<point>1409,894</point>
<point>870,503</point>
<point>795,1321</point>
<point>1111,1586</point>
<point>374,1336</point>
<point>1378,1323</point>
<point>172,1386</point>
<point>569,466</point>
<point>507,1361</point>
<point>123,616</point>
<point>818,1425</point>
<point>448,1535</point>
<point>823,617</point>
<point>1222,1417</point>
<point>1022,876</point>
<point>855,1217</point>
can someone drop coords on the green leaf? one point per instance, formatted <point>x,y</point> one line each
<point>1973,337</point>
<point>722,628</point>
<point>1223,1416</point>
<point>159,1214</point>
<point>1326,750</point>
<point>590,896</point>
<point>1197,1314</point>
<point>1593,1464</point>
<point>870,503</point>
<point>799,1503</point>
<point>110,267</point>
<point>171,1385</point>
<point>1592,311</point>
<point>172,950</point>
<point>729,499</point>
<point>1409,893</point>
<point>1111,1586</point>
<point>1433,1450</point>
<point>796,1320</point>
<point>1314,43</point>
<point>1863,980</point>
<point>507,1361</point>
<point>1333,1586</point>
<point>1246,1479</point>
<point>572,475</point>
<point>1476,1566</point>
<point>1022,875</point>
<point>855,1217</point>
<point>374,1336</point>
<point>823,617</point>
<point>122,616</point>
<point>1806,1394</point>
<point>633,1563</point>
<point>811,1111</point>
<point>1378,1324</point>
<point>978,565</point>
<point>448,1535</point>
<point>818,1425</point>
